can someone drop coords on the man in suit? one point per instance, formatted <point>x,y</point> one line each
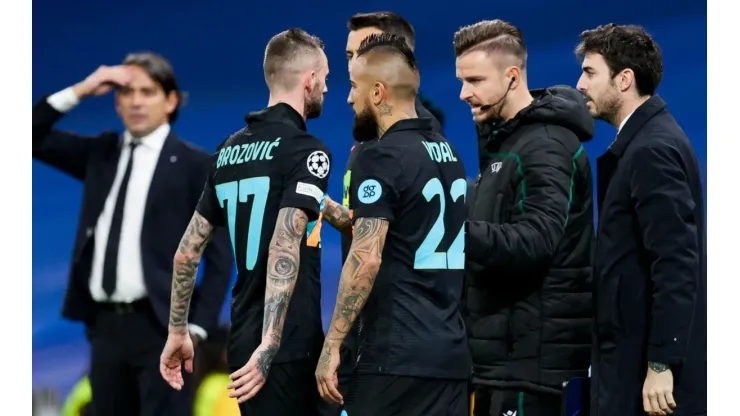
<point>140,189</point>
<point>650,338</point>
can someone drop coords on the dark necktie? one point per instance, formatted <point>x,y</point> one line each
<point>110,264</point>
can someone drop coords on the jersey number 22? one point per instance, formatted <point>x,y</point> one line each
<point>426,256</point>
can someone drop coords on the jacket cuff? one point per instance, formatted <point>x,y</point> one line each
<point>64,100</point>
<point>671,354</point>
<point>198,330</point>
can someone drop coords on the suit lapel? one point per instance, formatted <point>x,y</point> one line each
<point>105,175</point>
<point>642,115</point>
<point>161,179</point>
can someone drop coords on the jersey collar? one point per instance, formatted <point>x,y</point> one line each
<point>410,124</point>
<point>279,112</point>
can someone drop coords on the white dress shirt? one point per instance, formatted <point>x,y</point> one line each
<point>625,121</point>
<point>621,125</point>
<point>130,284</point>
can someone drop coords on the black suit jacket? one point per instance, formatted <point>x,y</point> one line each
<point>174,192</point>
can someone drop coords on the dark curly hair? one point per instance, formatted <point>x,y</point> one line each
<point>626,47</point>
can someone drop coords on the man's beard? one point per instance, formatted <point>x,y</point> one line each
<point>314,105</point>
<point>493,114</point>
<point>607,108</point>
<point>365,127</point>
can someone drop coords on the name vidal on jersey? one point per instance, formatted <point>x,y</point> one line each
<point>235,155</point>
<point>440,152</point>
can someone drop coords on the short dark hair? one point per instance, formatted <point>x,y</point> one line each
<point>626,47</point>
<point>491,36</point>
<point>388,22</point>
<point>283,49</point>
<point>160,70</point>
<point>386,42</point>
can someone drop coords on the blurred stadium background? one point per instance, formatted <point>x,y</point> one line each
<point>217,55</point>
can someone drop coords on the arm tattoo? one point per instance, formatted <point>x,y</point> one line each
<point>282,271</point>
<point>187,258</point>
<point>338,216</point>
<point>358,275</point>
<point>265,359</point>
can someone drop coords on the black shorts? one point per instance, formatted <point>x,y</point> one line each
<point>495,402</point>
<point>388,395</point>
<point>290,390</point>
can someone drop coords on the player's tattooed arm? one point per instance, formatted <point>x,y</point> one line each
<point>187,259</point>
<point>358,276</point>
<point>282,271</point>
<point>338,216</point>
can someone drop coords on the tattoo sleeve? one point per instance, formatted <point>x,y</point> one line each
<point>358,275</point>
<point>187,259</point>
<point>282,271</point>
<point>338,216</point>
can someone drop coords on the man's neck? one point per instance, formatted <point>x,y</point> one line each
<point>391,113</point>
<point>297,103</point>
<point>516,103</point>
<point>627,108</point>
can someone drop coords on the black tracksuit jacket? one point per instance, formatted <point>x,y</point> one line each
<point>529,247</point>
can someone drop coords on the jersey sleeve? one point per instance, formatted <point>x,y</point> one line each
<point>308,179</point>
<point>209,206</point>
<point>377,174</point>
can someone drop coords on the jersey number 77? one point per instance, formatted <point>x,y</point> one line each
<point>239,191</point>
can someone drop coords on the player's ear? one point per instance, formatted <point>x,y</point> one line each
<point>310,81</point>
<point>377,93</point>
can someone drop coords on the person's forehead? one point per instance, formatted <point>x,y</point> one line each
<point>593,60</point>
<point>474,62</point>
<point>356,37</point>
<point>356,67</point>
<point>140,77</point>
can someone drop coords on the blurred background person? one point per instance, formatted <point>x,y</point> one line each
<point>530,233</point>
<point>140,188</point>
<point>650,269</point>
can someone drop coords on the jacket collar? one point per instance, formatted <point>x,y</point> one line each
<point>639,117</point>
